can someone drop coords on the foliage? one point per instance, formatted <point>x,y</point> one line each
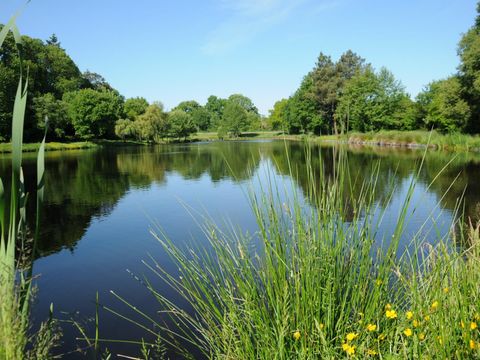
<point>277,115</point>
<point>234,118</point>
<point>443,106</point>
<point>372,101</point>
<point>181,124</point>
<point>152,125</point>
<point>47,106</point>
<point>134,107</point>
<point>94,113</point>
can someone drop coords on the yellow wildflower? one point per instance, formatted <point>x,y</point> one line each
<point>296,335</point>
<point>408,332</point>
<point>472,344</point>
<point>352,336</point>
<point>379,282</point>
<point>391,314</point>
<point>473,325</point>
<point>409,315</point>
<point>421,336</point>
<point>381,337</point>
<point>371,352</point>
<point>350,350</point>
<point>440,341</point>
<point>371,327</point>
<point>446,290</point>
<point>427,318</point>
<point>416,323</point>
<point>388,307</point>
<point>322,326</point>
<point>434,306</point>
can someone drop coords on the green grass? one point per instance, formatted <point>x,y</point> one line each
<point>452,142</point>
<point>313,283</point>
<point>52,146</point>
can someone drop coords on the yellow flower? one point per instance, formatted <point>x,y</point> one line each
<point>381,337</point>
<point>421,336</point>
<point>446,290</point>
<point>472,344</point>
<point>350,350</point>
<point>352,336</point>
<point>409,315</point>
<point>440,341</point>
<point>434,305</point>
<point>371,327</point>
<point>371,352</point>
<point>388,307</point>
<point>416,323</point>
<point>427,318</point>
<point>391,314</point>
<point>296,335</point>
<point>408,332</point>
<point>322,326</point>
<point>378,282</point>
<point>473,325</point>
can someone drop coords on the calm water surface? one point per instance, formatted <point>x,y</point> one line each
<point>100,206</point>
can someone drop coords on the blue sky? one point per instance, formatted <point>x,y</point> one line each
<point>189,49</point>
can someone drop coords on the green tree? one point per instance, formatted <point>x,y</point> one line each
<point>469,72</point>
<point>153,125</point>
<point>276,120</point>
<point>181,124</point>
<point>94,113</point>
<point>125,129</point>
<point>134,107</point>
<point>235,118</point>
<point>444,108</point>
<point>372,101</point>
<point>215,106</point>
<point>59,123</point>
<point>95,81</point>
<point>200,116</point>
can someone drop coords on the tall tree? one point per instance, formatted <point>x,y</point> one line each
<point>469,72</point>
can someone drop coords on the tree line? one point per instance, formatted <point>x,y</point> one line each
<point>350,95</point>
<point>334,97</point>
<point>84,106</point>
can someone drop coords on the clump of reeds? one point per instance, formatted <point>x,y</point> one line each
<point>16,265</point>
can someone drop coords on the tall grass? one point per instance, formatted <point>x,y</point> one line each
<point>15,261</point>
<point>315,283</point>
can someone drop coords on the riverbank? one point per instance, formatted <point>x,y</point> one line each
<point>404,139</point>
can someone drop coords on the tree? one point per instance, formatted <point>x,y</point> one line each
<point>134,107</point>
<point>276,120</point>
<point>469,72</point>
<point>181,124</point>
<point>95,81</point>
<point>153,125</point>
<point>200,116</point>
<point>215,107</point>
<point>124,129</point>
<point>371,101</point>
<point>59,124</point>
<point>444,108</point>
<point>94,113</point>
<point>53,40</point>
<point>234,118</point>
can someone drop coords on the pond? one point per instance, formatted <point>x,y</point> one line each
<point>101,204</point>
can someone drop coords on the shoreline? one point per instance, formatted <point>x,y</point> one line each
<point>394,139</point>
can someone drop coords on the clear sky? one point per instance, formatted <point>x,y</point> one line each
<point>174,50</point>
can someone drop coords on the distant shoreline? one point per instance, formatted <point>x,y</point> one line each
<point>393,139</point>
